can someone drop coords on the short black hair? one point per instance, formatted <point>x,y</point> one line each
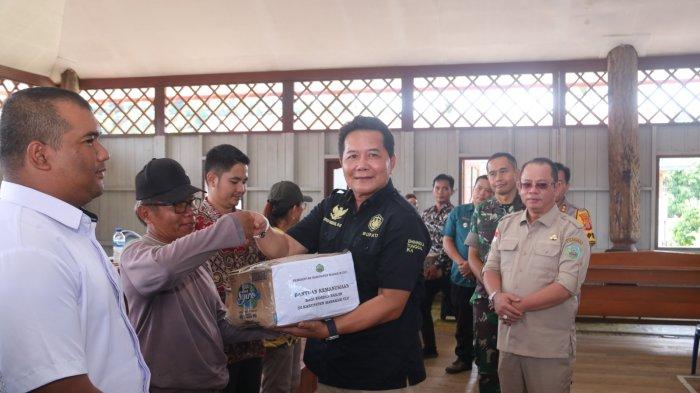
<point>444,177</point>
<point>366,123</point>
<point>480,177</point>
<point>565,169</point>
<point>543,161</point>
<point>513,162</point>
<point>31,115</point>
<point>221,158</point>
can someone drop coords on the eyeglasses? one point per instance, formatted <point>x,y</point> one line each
<point>178,207</point>
<point>542,186</point>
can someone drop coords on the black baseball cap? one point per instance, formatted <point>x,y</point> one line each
<point>163,180</point>
<point>287,193</point>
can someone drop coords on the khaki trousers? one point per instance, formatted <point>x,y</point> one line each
<point>524,374</point>
<point>330,389</point>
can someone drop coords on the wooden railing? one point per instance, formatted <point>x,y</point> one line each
<point>654,284</point>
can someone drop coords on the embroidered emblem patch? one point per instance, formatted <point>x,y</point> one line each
<point>573,251</point>
<point>414,245</point>
<point>338,212</point>
<point>375,222</point>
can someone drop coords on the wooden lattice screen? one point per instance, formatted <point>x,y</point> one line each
<point>224,108</point>
<point>123,111</point>
<point>670,95</point>
<point>9,86</point>
<point>328,104</point>
<point>586,98</point>
<point>506,100</point>
<point>536,95</point>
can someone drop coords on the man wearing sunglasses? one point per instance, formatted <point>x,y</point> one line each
<point>173,303</point>
<point>534,272</point>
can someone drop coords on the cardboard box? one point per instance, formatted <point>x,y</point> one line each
<point>288,290</point>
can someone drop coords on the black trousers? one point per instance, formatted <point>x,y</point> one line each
<point>464,334</point>
<point>244,376</point>
<point>432,287</point>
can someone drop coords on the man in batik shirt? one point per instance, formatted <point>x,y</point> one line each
<point>226,171</point>
<point>438,263</point>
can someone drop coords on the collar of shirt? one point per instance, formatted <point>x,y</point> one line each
<point>493,203</point>
<point>47,205</point>
<point>434,209</point>
<point>377,197</point>
<point>210,209</point>
<point>548,219</point>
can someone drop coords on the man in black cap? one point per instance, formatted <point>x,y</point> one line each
<point>173,304</point>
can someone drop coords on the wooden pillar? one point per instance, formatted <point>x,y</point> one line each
<point>70,80</point>
<point>623,148</point>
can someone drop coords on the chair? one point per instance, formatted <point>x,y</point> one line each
<point>694,365</point>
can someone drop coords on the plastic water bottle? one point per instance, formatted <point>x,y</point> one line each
<point>118,242</point>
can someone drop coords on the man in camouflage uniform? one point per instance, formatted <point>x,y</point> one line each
<point>580,214</point>
<point>502,174</point>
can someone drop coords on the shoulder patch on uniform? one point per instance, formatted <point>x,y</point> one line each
<point>584,218</point>
<point>573,240</point>
<point>573,250</point>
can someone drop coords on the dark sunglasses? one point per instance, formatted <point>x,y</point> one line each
<point>539,185</point>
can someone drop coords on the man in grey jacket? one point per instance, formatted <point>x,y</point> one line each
<point>173,303</point>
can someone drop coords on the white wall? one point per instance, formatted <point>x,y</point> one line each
<point>421,155</point>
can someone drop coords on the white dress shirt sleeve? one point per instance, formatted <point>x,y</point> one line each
<point>41,333</point>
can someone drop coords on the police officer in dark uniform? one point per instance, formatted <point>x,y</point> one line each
<point>376,346</point>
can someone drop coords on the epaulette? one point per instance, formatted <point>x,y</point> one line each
<point>570,219</point>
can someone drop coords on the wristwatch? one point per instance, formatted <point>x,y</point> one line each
<point>332,330</point>
<point>492,296</point>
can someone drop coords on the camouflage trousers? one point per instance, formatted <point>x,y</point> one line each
<point>485,335</point>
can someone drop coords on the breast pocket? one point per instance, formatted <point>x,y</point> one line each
<point>366,255</point>
<point>464,222</point>
<point>545,263</point>
<point>508,247</point>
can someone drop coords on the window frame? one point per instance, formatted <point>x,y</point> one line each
<point>461,174</point>
<point>656,204</point>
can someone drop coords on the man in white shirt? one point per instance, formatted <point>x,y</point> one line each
<point>64,327</point>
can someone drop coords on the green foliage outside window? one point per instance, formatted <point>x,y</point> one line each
<point>684,189</point>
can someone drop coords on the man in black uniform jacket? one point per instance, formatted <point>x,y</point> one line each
<point>376,346</point>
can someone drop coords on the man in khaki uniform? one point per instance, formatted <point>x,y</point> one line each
<point>580,214</point>
<point>533,276</point>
